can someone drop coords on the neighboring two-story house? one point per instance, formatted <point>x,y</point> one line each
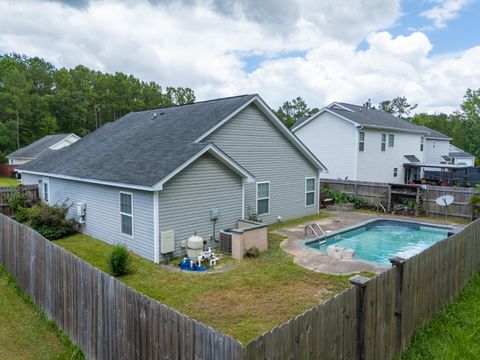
<point>159,176</point>
<point>359,143</point>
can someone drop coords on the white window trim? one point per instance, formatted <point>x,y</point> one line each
<point>388,140</point>
<point>46,180</point>
<point>360,141</point>
<point>383,142</point>
<point>314,190</point>
<point>269,195</point>
<point>122,213</point>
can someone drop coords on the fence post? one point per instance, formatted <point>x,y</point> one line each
<point>360,282</point>
<point>398,263</point>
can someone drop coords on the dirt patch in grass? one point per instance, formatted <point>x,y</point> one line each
<point>253,297</point>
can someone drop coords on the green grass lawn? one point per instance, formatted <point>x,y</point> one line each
<point>254,297</point>
<point>8,182</point>
<point>454,333</point>
<point>24,331</point>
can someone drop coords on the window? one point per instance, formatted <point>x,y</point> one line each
<point>126,213</point>
<point>361,141</point>
<point>422,139</point>
<point>45,186</point>
<point>263,198</point>
<point>309,191</point>
<point>384,141</point>
<point>391,140</point>
<point>395,172</point>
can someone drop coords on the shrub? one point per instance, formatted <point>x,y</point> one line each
<point>253,252</point>
<point>339,197</point>
<point>17,200</point>
<point>50,221</point>
<point>119,262</point>
<point>21,214</point>
<point>252,215</point>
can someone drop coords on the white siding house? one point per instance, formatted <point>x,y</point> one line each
<point>358,143</point>
<point>335,141</point>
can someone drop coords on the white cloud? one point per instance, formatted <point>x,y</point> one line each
<point>446,10</point>
<point>201,44</point>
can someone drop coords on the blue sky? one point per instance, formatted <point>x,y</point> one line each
<point>323,51</point>
<point>459,34</point>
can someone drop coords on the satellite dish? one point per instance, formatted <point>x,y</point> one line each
<point>445,200</point>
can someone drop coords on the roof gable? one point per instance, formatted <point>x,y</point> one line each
<point>278,124</point>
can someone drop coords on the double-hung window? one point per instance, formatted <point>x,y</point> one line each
<point>309,191</point>
<point>45,189</point>
<point>126,213</point>
<point>263,197</point>
<point>391,140</point>
<point>395,172</point>
<point>384,142</point>
<point>422,139</point>
<point>361,141</point>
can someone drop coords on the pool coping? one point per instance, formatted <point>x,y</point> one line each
<point>316,260</point>
<point>304,243</point>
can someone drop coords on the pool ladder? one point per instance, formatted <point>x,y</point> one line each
<point>314,230</point>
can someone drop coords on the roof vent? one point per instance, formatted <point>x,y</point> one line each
<point>154,115</point>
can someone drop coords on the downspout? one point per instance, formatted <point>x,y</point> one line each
<point>357,135</point>
<point>156,228</point>
<point>243,199</point>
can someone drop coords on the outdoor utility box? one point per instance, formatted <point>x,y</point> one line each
<point>81,212</point>
<point>214,214</point>
<point>167,241</point>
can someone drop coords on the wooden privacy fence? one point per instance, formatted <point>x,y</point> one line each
<point>30,191</point>
<point>460,207</point>
<point>371,192</point>
<point>376,318</point>
<point>104,317</point>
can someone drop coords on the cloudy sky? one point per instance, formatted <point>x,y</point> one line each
<point>322,50</point>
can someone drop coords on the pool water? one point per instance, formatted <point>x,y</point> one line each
<point>381,240</point>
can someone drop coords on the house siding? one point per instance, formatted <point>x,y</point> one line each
<point>252,140</point>
<point>103,213</point>
<point>377,165</point>
<point>186,201</point>
<point>435,149</point>
<point>334,142</point>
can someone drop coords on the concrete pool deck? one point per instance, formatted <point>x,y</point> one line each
<point>317,261</point>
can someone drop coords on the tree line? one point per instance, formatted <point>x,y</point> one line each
<point>37,99</point>
<point>463,125</point>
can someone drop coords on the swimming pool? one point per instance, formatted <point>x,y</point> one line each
<point>379,240</point>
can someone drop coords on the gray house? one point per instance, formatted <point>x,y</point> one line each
<point>37,148</point>
<point>157,175</point>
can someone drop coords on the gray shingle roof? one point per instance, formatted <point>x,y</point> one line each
<point>36,148</point>
<point>435,134</point>
<point>460,154</point>
<point>376,118</point>
<point>412,158</point>
<point>139,148</point>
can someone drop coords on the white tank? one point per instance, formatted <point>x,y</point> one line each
<point>194,246</point>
